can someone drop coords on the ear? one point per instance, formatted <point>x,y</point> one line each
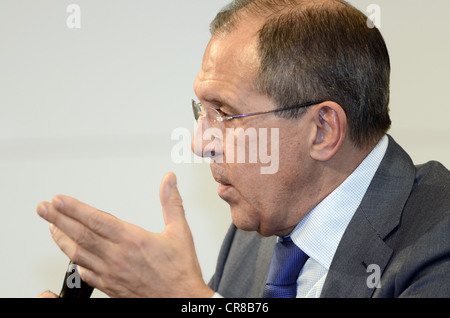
<point>331,125</point>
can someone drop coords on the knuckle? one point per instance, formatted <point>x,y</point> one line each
<point>75,254</point>
<point>95,222</point>
<point>83,237</point>
<point>85,241</point>
<point>105,225</point>
<point>55,233</point>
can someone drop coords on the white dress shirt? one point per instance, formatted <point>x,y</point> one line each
<point>320,232</point>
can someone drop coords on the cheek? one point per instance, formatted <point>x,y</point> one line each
<point>246,183</point>
<point>252,199</point>
<point>246,195</point>
<point>259,210</point>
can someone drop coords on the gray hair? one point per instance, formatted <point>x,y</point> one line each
<point>322,50</point>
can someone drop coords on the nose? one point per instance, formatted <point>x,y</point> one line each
<point>207,141</point>
<point>197,142</point>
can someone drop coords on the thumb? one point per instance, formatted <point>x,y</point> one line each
<point>171,202</point>
<point>47,294</point>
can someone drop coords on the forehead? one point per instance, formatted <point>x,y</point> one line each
<point>230,53</point>
<point>229,66</point>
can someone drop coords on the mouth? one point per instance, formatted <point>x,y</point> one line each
<point>223,189</point>
<point>224,184</point>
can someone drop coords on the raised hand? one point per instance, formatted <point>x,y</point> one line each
<point>124,260</point>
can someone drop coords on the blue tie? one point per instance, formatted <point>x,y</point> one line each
<point>287,261</point>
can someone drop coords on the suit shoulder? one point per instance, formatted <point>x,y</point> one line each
<point>432,187</point>
<point>428,205</point>
<point>421,258</point>
<point>432,172</point>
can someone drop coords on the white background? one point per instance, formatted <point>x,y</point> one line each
<point>89,113</point>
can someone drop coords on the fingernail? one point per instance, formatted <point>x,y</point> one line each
<point>173,182</point>
<point>41,210</point>
<point>52,228</point>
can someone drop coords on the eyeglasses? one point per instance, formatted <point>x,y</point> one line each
<point>215,119</point>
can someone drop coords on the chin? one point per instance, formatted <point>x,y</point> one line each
<point>243,219</point>
<point>249,220</point>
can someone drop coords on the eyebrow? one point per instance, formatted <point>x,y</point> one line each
<point>221,102</point>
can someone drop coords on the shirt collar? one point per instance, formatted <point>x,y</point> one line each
<point>321,230</point>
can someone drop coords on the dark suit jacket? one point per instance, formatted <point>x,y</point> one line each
<point>402,225</point>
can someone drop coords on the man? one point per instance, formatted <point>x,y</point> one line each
<point>369,223</point>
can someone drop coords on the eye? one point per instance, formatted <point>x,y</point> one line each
<point>222,113</point>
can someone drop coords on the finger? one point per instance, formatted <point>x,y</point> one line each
<point>171,201</point>
<point>77,253</point>
<point>99,222</point>
<point>76,234</point>
<point>47,294</point>
<point>76,230</point>
<point>89,277</point>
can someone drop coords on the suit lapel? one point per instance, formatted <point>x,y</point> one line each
<point>359,249</point>
<point>244,269</point>
<point>362,251</point>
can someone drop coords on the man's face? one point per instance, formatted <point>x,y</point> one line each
<point>268,203</point>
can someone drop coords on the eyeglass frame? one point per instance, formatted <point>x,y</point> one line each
<point>197,109</point>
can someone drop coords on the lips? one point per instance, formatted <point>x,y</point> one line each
<point>222,181</point>
<point>219,176</point>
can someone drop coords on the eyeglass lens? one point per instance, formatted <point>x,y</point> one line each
<point>212,115</point>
